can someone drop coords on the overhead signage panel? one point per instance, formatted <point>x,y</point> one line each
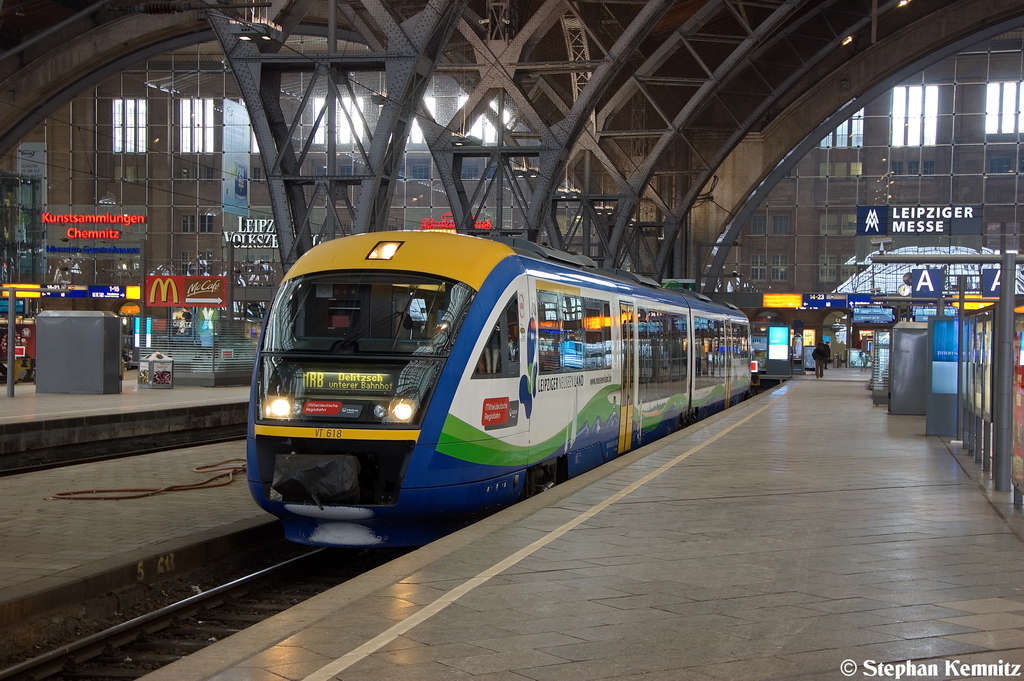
<point>65,291</point>
<point>918,220</point>
<point>107,292</point>
<point>782,300</point>
<point>818,300</point>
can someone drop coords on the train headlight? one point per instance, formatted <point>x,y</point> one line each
<point>402,410</point>
<point>384,250</point>
<point>279,408</point>
<point>379,411</point>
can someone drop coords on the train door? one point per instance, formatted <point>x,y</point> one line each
<point>727,351</point>
<point>627,409</point>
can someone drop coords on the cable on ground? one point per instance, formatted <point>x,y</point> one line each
<point>221,469</point>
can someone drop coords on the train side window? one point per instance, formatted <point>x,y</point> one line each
<point>572,332</point>
<point>500,355</point>
<point>701,348</point>
<point>597,325</point>
<point>512,336</point>
<point>643,359</point>
<point>549,335</point>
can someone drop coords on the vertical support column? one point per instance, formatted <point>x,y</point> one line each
<point>969,431</point>
<point>961,285</point>
<point>1002,372</point>
<point>986,445</point>
<point>12,335</point>
<point>977,433</point>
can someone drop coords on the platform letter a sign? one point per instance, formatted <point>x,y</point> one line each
<point>927,283</point>
<point>990,283</point>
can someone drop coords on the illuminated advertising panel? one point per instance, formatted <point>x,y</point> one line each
<point>944,355</point>
<point>778,342</point>
<point>181,291</point>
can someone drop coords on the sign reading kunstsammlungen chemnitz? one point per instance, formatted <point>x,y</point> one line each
<point>918,220</point>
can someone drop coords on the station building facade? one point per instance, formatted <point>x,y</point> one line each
<point>161,154</point>
<point>939,146</point>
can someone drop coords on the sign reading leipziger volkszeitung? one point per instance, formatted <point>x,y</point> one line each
<point>252,233</point>
<point>918,220</point>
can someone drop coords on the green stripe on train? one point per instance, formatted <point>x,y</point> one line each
<point>467,442</point>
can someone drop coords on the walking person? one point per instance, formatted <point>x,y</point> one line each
<point>820,356</point>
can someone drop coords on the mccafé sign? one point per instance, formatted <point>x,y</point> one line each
<point>186,291</point>
<point>81,219</point>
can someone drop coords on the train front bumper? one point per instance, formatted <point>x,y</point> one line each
<point>419,516</point>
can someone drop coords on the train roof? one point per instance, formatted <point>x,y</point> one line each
<point>466,258</point>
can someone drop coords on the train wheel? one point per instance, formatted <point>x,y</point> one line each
<point>540,478</point>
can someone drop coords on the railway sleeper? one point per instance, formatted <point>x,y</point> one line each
<point>170,646</point>
<point>266,607</point>
<point>227,617</point>
<point>135,657</point>
<point>105,673</point>
<point>204,632</point>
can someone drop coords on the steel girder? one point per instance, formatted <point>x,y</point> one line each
<point>737,77</point>
<point>672,87</point>
<point>408,51</point>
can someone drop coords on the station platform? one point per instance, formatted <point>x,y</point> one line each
<point>27,406</point>
<point>804,534</point>
<point>36,428</point>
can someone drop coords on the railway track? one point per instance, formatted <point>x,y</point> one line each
<point>138,646</point>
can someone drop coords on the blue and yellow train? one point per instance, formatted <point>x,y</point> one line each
<point>408,383</point>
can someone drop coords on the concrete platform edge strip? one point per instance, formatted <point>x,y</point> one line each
<point>143,566</point>
<point>39,436</point>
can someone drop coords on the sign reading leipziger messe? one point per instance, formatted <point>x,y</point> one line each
<point>918,220</point>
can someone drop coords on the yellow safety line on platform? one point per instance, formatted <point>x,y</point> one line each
<point>329,671</point>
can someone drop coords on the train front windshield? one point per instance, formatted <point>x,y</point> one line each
<point>358,347</point>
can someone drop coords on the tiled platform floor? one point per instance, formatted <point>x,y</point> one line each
<point>800,530</point>
<point>46,542</point>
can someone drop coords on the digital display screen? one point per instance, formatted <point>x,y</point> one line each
<point>944,343</point>
<point>782,299</point>
<point>778,342</point>
<point>70,291</point>
<point>349,381</point>
<point>873,315</point>
<point>106,292</point>
<point>944,356</point>
<point>817,300</point>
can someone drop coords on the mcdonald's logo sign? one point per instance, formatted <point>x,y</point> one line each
<point>164,291</point>
<point>183,291</point>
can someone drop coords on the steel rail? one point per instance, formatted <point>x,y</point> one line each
<point>127,631</point>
